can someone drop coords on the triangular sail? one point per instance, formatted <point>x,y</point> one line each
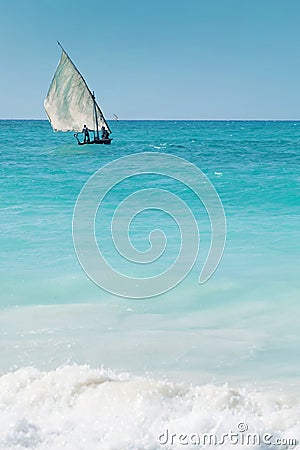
<point>69,103</point>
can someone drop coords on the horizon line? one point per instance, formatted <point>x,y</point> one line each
<point>166,120</point>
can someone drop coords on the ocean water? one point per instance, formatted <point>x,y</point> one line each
<point>84,369</point>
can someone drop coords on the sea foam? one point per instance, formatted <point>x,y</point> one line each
<point>77,407</point>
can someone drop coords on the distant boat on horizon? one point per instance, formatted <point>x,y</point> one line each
<point>71,106</point>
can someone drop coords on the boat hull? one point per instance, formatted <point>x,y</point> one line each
<point>97,141</point>
<point>102,141</point>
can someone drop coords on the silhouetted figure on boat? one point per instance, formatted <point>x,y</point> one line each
<point>86,133</point>
<point>105,133</point>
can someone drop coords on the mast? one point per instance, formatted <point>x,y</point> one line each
<point>96,117</point>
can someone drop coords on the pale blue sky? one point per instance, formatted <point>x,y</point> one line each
<point>158,59</point>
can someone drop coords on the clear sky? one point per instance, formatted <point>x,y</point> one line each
<point>156,59</point>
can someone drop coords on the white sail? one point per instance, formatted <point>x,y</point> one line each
<point>69,103</point>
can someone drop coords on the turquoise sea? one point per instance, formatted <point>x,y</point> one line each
<point>81,368</point>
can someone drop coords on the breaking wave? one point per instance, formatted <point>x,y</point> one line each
<point>77,407</point>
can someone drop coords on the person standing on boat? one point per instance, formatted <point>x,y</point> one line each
<point>85,130</point>
<point>105,133</point>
